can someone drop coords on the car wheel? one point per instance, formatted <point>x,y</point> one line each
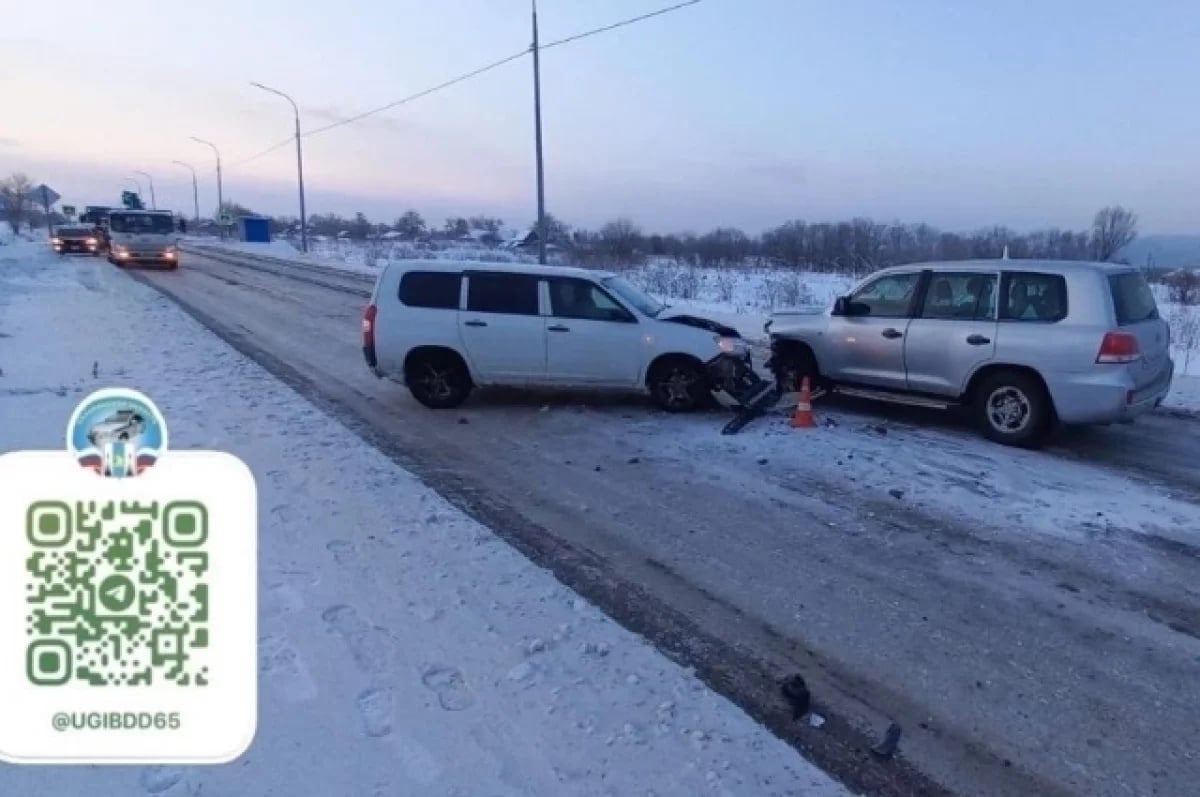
<point>679,385</point>
<point>437,380</point>
<point>1013,408</point>
<point>791,365</point>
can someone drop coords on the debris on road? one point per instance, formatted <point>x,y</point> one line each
<point>795,691</point>
<point>891,740</point>
<point>95,369</point>
<point>633,460</point>
<point>895,493</point>
<point>815,720</point>
<point>464,421</point>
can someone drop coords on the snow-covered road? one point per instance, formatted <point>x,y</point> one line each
<point>1007,609</point>
<point>404,648</point>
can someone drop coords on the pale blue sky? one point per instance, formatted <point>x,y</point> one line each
<point>743,112</point>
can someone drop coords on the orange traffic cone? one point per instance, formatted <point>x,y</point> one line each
<point>803,419</point>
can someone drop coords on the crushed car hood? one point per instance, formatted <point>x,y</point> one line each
<point>703,323</point>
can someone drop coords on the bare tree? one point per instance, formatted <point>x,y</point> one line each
<point>14,196</point>
<point>411,225</point>
<point>620,240</point>
<point>1113,229</point>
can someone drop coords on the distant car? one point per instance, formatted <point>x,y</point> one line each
<point>443,329</point>
<point>1021,343</point>
<point>81,239</point>
<point>122,426</point>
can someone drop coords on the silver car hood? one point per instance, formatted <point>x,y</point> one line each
<point>797,318</point>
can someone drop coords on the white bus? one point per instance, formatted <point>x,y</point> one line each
<point>143,236</point>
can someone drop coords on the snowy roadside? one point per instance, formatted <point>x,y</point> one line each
<point>403,647</point>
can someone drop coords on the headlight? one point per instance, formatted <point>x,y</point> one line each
<point>92,242</point>
<point>730,345</point>
<point>169,254</point>
<point>56,241</point>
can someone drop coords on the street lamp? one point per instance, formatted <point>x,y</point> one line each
<point>153,201</point>
<point>220,195</point>
<point>299,163</point>
<point>195,191</point>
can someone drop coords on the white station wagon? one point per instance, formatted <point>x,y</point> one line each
<point>443,328</point>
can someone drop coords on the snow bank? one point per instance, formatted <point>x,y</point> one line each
<point>403,649</point>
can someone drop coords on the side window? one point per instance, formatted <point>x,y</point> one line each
<point>888,297</point>
<point>964,296</point>
<point>513,294</point>
<point>436,289</point>
<point>1034,297</point>
<point>576,298</point>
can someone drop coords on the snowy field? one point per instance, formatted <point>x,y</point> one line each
<point>741,298</point>
<point>404,649</point>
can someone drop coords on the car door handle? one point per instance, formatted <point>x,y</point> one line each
<point>892,334</point>
<point>978,340</point>
<point>559,328</point>
<point>476,323</point>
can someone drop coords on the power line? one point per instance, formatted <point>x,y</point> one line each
<point>419,94</point>
<point>621,24</point>
<point>467,76</point>
<point>267,151</point>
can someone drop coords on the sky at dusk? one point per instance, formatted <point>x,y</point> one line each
<point>728,112</point>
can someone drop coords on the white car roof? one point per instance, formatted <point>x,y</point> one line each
<point>459,266</point>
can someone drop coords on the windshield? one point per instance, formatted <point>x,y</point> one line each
<point>146,223</point>
<point>631,293</point>
<point>74,232</point>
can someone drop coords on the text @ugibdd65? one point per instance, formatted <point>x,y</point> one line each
<point>116,721</point>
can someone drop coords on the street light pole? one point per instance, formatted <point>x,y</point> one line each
<point>220,194</point>
<point>537,121</point>
<point>299,163</point>
<point>195,191</point>
<point>153,201</point>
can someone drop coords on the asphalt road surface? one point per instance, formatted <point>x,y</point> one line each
<point>1015,665</point>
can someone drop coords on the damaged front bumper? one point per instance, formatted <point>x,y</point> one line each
<point>734,375</point>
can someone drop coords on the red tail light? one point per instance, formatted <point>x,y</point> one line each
<point>368,325</point>
<point>1119,347</point>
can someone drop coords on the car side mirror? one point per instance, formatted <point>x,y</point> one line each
<point>841,306</point>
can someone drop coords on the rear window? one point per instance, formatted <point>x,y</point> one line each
<point>1133,300</point>
<point>1034,297</point>
<point>435,289</point>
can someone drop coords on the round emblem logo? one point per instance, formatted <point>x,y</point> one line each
<point>117,432</point>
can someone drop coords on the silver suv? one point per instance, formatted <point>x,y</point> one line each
<point>1021,343</point>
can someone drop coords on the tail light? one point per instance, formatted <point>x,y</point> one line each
<point>368,325</point>
<point>1119,347</point>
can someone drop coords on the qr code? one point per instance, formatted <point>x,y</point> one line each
<point>117,592</point>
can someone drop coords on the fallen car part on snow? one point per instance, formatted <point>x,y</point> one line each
<point>736,377</point>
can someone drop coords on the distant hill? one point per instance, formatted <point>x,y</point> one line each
<point>1165,251</point>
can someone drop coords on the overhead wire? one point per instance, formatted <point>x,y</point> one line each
<point>464,77</point>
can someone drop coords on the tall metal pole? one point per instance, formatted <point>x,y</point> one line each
<point>220,194</point>
<point>537,121</point>
<point>195,191</point>
<point>299,163</point>
<point>149,179</point>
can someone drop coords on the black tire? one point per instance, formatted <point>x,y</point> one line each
<point>1013,408</point>
<point>791,364</point>
<point>438,380</point>
<point>679,384</point>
